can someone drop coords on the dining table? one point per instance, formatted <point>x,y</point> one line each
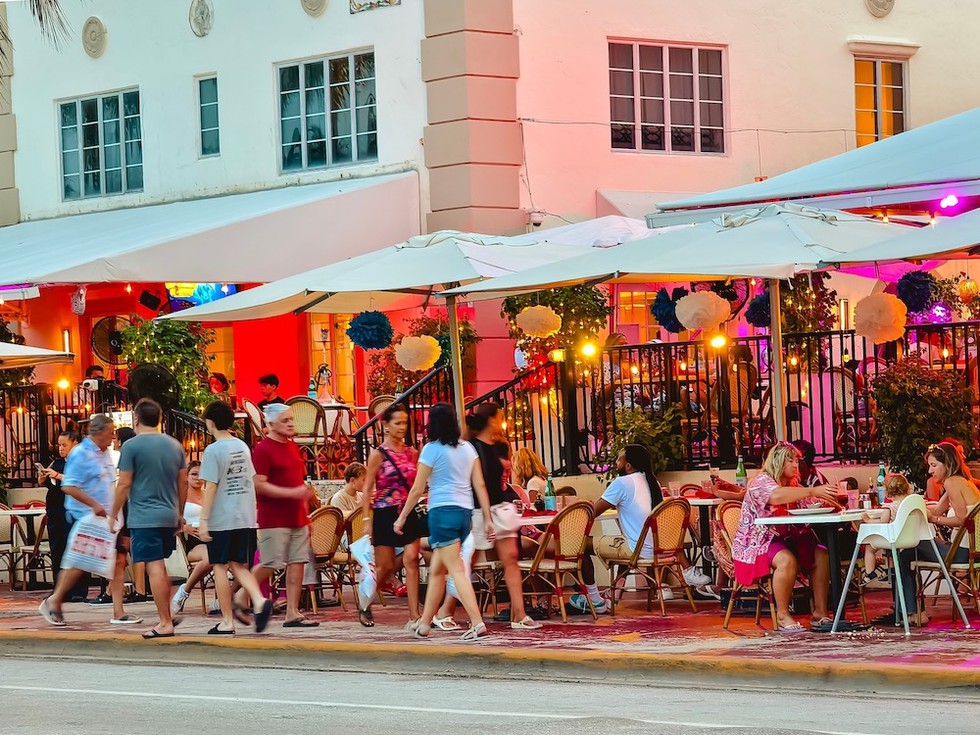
<point>827,523</point>
<point>29,532</point>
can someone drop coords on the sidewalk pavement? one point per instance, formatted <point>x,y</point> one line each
<point>635,645</point>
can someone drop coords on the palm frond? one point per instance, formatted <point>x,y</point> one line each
<point>50,18</point>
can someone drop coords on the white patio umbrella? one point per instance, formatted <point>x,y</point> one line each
<point>950,238</point>
<point>414,270</point>
<point>775,242</point>
<point>20,356</point>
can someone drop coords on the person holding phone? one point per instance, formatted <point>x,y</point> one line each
<point>54,499</point>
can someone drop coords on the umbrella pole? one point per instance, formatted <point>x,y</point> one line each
<point>456,361</point>
<point>778,384</point>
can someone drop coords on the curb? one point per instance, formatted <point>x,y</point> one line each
<point>484,661</point>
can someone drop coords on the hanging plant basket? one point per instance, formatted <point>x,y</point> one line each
<point>371,330</point>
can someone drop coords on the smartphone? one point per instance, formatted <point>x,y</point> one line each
<point>40,467</point>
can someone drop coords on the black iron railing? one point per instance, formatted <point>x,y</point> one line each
<point>190,431</point>
<point>435,387</point>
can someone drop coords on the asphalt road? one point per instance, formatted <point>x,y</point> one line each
<point>56,697</point>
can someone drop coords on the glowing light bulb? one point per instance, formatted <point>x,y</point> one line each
<point>794,361</point>
<point>719,341</point>
<point>945,353</point>
<point>682,366</point>
<point>950,200</point>
<point>129,288</point>
<point>588,349</point>
<point>544,400</point>
<point>634,369</point>
<point>63,384</point>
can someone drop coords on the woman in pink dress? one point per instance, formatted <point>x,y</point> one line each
<point>782,550</point>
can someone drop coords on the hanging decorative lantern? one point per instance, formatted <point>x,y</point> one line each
<point>917,290</point>
<point>968,290</point>
<point>370,330</point>
<point>418,353</point>
<point>703,310</point>
<point>880,317</point>
<point>538,321</point>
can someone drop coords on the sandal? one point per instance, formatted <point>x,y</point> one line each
<point>527,623</point>
<point>421,631</point>
<point>216,630</point>
<point>446,623</point>
<point>365,618</point>
<point>476,633</point>
<point>54,617</point>
<point>793,628</point>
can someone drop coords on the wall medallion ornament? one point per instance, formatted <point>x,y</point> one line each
<point>356,6</point>
<point>94,37</point>
<point>314,7</point>
<point>879,8</point>
<point>201,17</point>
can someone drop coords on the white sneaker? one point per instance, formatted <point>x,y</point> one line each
<point>696,578</point>
<point>126,620</point>
<point>666,593</point>
<point>580,603</point>
<point>179,598</point>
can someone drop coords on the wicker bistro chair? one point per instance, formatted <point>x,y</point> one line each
<point>667,526</point>
<point>326,529</point>
<point>965,575</point>
<point>311,429</point>
<point>570,530</point>
<point>255,419</point>
<point>728,515</point>
<point>11,541</point>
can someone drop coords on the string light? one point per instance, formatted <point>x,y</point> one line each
<point>129,288</point>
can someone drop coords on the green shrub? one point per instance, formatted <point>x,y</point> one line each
<point>658,431</point>
<point>917,406</point>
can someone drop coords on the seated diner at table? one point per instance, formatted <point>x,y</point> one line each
<point>634,494</point>
<point>948,468</point>
<point>761,550</point>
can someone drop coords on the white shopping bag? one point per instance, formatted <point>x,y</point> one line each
<point>466,552</point>
<point>91,547</point>
<point>367,579</point>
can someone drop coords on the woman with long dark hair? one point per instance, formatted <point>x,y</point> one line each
<point>485,425</point>
<point>391,472</point>
<point>452,471</point>
<point>54,500</point>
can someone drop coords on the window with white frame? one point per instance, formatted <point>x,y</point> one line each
<point>879,99</point>
<point>101,145</point>
<point>328,112</point>
<point>666,98</point>
<point>207,95</point>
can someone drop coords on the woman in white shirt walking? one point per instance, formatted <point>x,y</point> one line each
<point>452,470</point>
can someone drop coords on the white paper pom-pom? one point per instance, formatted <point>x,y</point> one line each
<point>703,310</point>
<point>880,317</point>
<point>418,353</point>
<point>538,321</point>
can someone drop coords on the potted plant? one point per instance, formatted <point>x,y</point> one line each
<point>917,406</point>
<point>659,431</point>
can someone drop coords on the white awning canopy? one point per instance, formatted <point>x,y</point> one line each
<point>776,241</point>
<point>240,238</point>
<point>920,164</point>
<point>415,269</point>
<point>951,238</point>
<point>19,356</point>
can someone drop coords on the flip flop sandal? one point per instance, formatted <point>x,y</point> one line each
<point>154,633</point>
<point>421,631</point>
<point>528,623</point>
<point>262,616</point>
<point>365,618</point>
<point>476,633</point>
<point>301,623</point>
<point>794,628</point>
<point>216,630</point>
<point>54,617</point>
<point>446,623</point>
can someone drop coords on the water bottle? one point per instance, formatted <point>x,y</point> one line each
<point>881,484</point>
<point>549,495</point>
<point>741,479</point>
<point>311,391</point>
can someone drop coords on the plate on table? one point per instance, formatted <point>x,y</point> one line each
<point>815,511</point>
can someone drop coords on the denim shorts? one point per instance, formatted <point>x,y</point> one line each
<point>152,544</point>
<point>448,525</point>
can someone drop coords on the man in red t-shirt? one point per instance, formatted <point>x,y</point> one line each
<point>282,499</point>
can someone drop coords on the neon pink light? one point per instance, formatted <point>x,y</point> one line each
<point>950,200</point>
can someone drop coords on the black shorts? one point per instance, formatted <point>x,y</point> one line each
<point>191,542</point>
<point>382,528</point>
<point>152,544</point>
<point>236,546</point>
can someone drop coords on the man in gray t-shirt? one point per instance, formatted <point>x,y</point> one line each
<point>153,477</point>
<point>228,464</point>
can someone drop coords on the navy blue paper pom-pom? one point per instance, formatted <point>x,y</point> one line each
<point>758,313</point>
<point>664,309</point>
<point>370,330</point>
<point>917,290</point>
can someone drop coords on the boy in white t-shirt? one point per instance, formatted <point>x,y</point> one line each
<point>228,517</point>
<point>634,494</point>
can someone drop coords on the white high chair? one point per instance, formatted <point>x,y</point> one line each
<point>911,526</point>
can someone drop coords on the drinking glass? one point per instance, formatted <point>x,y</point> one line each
<point>674,489</point>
